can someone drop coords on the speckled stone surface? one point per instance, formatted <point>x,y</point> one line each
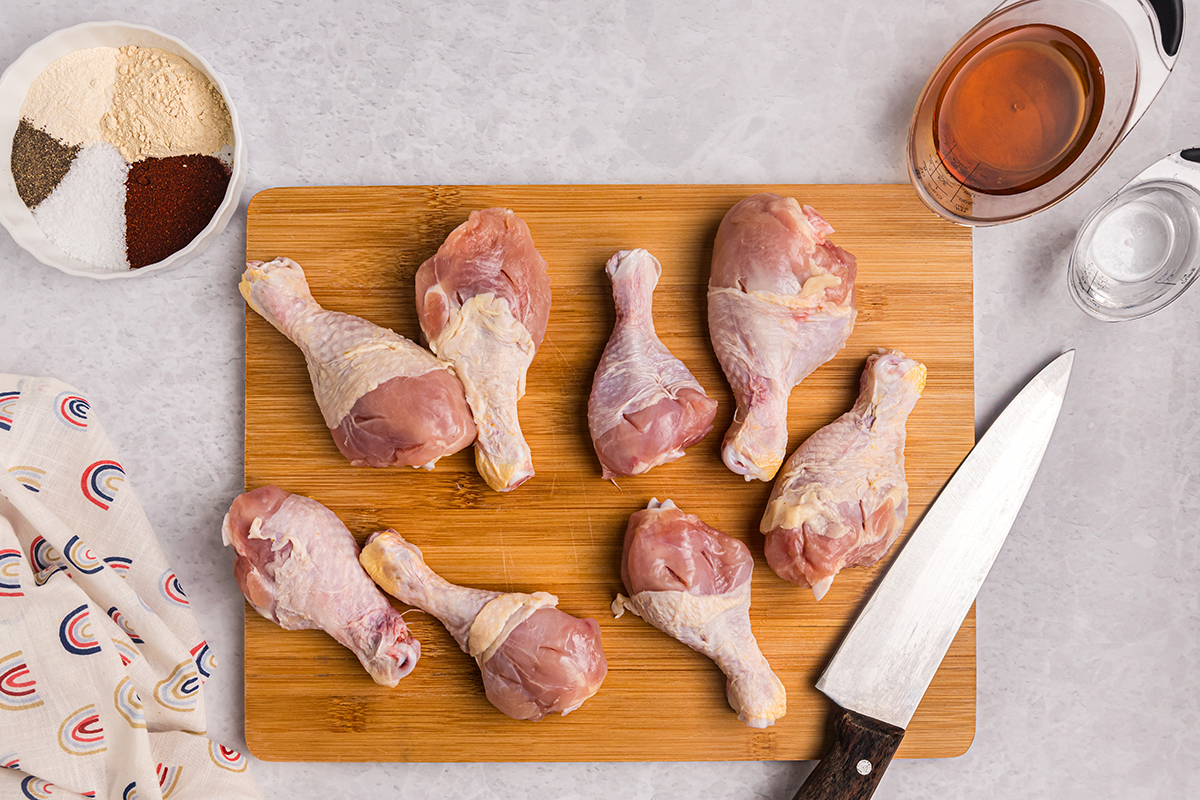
<point>1089,626</point>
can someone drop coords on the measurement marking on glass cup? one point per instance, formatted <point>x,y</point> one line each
<point>963,184</point>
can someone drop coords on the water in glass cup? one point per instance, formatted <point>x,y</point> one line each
<point>1137,252</point>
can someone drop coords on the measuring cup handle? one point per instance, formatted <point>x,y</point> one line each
<point>1170,23</point>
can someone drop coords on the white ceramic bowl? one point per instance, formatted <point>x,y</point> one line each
<point>14,85</point>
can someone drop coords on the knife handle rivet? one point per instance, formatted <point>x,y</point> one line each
<point>863,767</point>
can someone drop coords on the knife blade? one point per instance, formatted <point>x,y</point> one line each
<point>882,668</point>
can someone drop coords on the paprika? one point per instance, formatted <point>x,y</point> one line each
<point>168,201</point>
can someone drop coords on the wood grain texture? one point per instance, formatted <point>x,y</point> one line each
<point>308,699</point>
<point>851,769</point>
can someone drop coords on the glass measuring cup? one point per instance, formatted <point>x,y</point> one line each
<point>1121,52</point>
<point>1141,249</point>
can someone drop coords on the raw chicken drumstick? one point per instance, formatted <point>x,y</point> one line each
<point>535,659</point>
<point>842,498</point>
<point>645,407</point>
<point>780,304</point>
<point>484,301</point>
<point>298,566</point>
<point>692,582</point>
<point>386,399</point>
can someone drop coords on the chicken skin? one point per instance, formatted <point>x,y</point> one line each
<point>842,498</point>
<point>483,301</point>
<point>780,304</point>
<point>387,400</point>
<point>692,582</point>
<point>298,566</point>
<point>645,407</point>
<point>535,660</point>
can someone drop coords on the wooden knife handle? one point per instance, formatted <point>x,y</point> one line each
<point>851,769</point>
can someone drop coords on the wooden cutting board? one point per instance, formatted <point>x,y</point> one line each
<point>307,699</point>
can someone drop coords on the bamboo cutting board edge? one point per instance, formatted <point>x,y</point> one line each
<point>288,219</point>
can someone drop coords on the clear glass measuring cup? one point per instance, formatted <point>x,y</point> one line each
<point>1033,100</point>
<point>1141,249</point>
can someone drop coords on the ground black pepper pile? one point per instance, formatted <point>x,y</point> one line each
<point>168,201</point>
<point>39,162</point>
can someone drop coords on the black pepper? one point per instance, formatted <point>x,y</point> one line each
<point>39,163</point>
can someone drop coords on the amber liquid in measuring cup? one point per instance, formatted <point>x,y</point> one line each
<point>1018,109</point>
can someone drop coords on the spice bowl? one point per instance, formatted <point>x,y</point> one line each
<point>15,84</point>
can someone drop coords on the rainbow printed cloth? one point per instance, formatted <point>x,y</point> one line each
<point>102,664</point>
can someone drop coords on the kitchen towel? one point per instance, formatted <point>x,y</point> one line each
<point>102,664</point>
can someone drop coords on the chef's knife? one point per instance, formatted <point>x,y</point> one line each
<point>884,665</point>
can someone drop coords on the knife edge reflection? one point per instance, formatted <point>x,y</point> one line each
<point>887,660</point>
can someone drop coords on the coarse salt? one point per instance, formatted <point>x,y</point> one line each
<point>85,214</point>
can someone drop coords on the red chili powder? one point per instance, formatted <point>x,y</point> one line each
<point>168,201</point>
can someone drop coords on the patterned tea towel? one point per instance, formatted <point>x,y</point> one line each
<point>102,664</point>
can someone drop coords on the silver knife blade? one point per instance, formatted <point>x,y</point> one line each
<point>885,663</point>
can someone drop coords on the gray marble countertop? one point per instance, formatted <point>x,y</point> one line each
<point>1089,625</point>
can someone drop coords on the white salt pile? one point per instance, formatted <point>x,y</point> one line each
<point>85,214</point>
